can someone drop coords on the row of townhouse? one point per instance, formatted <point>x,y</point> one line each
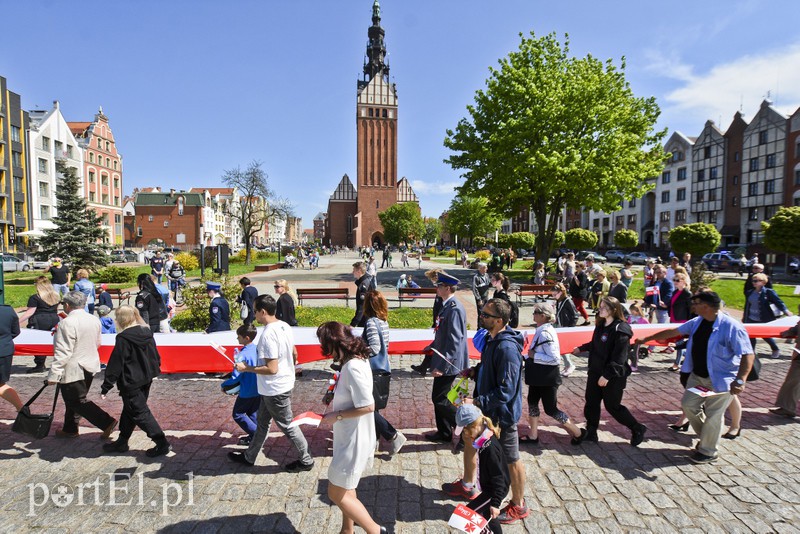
<point>734,180</point>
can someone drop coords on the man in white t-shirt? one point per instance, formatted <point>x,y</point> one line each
<point>275,370</point>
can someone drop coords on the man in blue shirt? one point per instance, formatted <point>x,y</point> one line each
<point>719,358</point>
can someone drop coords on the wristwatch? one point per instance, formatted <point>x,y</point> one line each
<point>339,416</point>
<point>739,382</point>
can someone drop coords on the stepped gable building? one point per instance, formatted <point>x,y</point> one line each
<point>353,213</point>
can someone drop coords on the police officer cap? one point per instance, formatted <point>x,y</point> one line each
<point>213,286</point>
<point>446,279</point>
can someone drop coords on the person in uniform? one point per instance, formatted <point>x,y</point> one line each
<point>219,311</point>
<point>364,283</point>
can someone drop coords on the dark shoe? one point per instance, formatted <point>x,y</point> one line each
<point>336,367</point>
<point>244,440</point>
<point>61,434</point>
<point>578,440</point>
<point>782,412</point>
<point>420,369</point>
<point>109,429</point>
<point>637,436</point>
<point>116,446</point>
<point>437,438</point>
<point>159,450</point>
<point>298,466</point>
<point>528,439</point>
<point>238,457</point>
<point>679,428</point>
<point>585,323</point>
<point>37,369</point>
<point>591,435</point>
<point>731,435</point>
<point>700,458</point>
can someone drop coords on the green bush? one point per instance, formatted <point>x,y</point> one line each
<point>431,251</point>
<point>189,261</point>
<point>479,241</point>
<point>482,255</point>
<point>452,253</point>
<point>195,318</point>
<point>116,275</point>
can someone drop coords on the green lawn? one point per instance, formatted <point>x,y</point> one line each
<point>398,318</point>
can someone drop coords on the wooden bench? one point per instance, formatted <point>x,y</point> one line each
<point>268,267</point>
<point>120,295</point>
<point>324,293</point>
<point>411,293</point>
<point>533,290</point>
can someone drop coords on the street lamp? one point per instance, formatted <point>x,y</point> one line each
<point>202,253</point>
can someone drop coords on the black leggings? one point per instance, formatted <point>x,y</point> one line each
<point>549,397</point>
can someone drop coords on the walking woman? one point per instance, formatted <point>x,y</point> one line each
<point>609,370</point>
<point>579,289</point>
<point>246,298</point>
<point>42,314</point>
<point>353,424</point>
<point>149,303</point>
<point>285,302</point>
<point>501,284</point>
<point>758,308</point>
<point>680,310</point>
<point>9,329</point>
<point>543,378</point>
<point>132,366</point>
<point>376,334</point>
<point>566,317</point>
<point>86,287</point>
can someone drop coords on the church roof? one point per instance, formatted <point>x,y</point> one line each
<point>404,191</point>
<point>345,192</point>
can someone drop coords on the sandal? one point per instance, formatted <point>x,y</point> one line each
<point>528,439</point>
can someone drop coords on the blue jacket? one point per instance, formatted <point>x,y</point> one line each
<point>498,388</point>
<point>248,386</point>
<point>107,325</point>
<point>450,339</point>
<point>767,297</point>
<point>728,342</point>
<point>87,288</point>
<point>220,314</point>
<point>665,289</point>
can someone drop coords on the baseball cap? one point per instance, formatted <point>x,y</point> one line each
<point>466,414</point>
<point>708,297</point>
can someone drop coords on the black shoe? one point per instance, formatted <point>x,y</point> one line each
<point>731,435</point>
<point>436,437</point>
<point>37,369</point>
<point>159,450</point>
<point>679,428</point>
<point>700,458</point>
<point>116,446</point>
<point>591,435</point>
<point>578,440</point>
<point>336,367</point>
<point>244,440</point>
<point>420,369</point>
<point>297,466</point>
<point>637,437</point>
<point>238,457</point>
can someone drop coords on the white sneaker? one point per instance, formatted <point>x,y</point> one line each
<point>397,443</point>
<point>568,370</point>
<point>776,354</point>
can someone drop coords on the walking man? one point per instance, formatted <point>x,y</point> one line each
<point>61,276</point>
<point>480,286</point>
<point>275,375</point>
<point>363,285</point>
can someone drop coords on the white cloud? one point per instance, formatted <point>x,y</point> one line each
<point>724,88</point>
<point>421,187</point>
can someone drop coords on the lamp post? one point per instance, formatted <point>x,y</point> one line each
<point>202,253</point>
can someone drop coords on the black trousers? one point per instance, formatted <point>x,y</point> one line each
<point>74,395</point>
<point>135,412</point>
<point>611,397</point>
<point>485,510</point>
<point>443,409</point>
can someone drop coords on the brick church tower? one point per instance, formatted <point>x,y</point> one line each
<point>353,216</point>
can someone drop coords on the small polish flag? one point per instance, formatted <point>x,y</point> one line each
<point>306,418</point>
<point>651,291</point>
<point>467,520</point>
<point>221,350</point>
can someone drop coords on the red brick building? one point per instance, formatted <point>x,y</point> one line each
<point>168,219</point>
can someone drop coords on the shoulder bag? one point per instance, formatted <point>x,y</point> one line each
<point>380,379</point>
<point>35,425</point>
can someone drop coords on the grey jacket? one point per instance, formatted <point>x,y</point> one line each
<point>75,348</point>
<point>450,339</point>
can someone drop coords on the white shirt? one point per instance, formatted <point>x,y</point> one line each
<point>276,343</point>
<point>545,348</point>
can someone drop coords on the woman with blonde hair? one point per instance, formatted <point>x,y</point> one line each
<point>42,314</point>
<point>285,302</point>
<point>86,287</point>
<point>132,366</point>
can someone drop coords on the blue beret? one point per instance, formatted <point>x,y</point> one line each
<point>446,279</point>
<point>213,285</point>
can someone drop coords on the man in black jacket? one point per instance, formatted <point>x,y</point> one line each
<point>363,285</point>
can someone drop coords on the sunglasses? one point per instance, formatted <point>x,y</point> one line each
<point>276,286</point>
<point>489,315</point>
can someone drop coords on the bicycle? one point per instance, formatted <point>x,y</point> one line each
<point>177,288</point>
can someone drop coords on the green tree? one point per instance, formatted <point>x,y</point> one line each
<point>471,216</point>
<point>626,238</point>
<point>402,223</point>
<point>432,231</point>
<point>78,235</point>
<point>257,203</point>
<point>696,239</point>
<point>552,131</point>
<point>782,231</point>
<point>524,240</point>
<point>479,241</point>
<point>580,239</point>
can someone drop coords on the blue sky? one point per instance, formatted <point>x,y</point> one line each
<point>193,88</point>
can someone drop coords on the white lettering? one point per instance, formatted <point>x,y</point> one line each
<point>32,496</point>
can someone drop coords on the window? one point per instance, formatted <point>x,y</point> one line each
<point>769,187</point>
<point>620,220</point>
<point>701,175</point>
<point>735,179</point>
<point>69,151</point>
<point>736,156</point>
<point>92,196</point>
<point>108,146</point>
<point>753,215</point>
<point>797,177</point>
<point>632,203</point>
<point>706,152</point>
<point>665,197</point>
<point>103,179</point>
<point>665,216</point>
<point>734,202</point>
<point>149,218</point>
<point>701,196</point>
<point>770,160</point>
<point>99,143</point>
<point>43,165</point>
<point>91,157</point>
<point>15,134</point>
<point>115,165</point>
<point>797,150</point>
<point>180,205</point>
<point>712,217</point>
<point>18,189</point>
<point>91,177</point>
<point>105,198</point>
<point>596,223</point>
<point>665,177</point>
<point>108,162</point>
<point>606,221</point>
<point>680,216</point>
<point>383,113</point>
<point>631,219</point>
<point>712,173</point>
<point>701,217</point>
<point>371,112</point>
<point>44,212</point>
<point>16,159</point>
<point>166,224</point>
<point>45,143</point>
<point>681,173</point>
<point>44,190</point>
<point>753,164</point>
<point>377,204</point>
<point>116,201</point>
<point>59,146</point>
<point>19,209</point>
<point>116,183</point>
<point>569,225</point>
<point>769,212</point>
<point>138,231</point>
<point>681,194</point>
<point>762,137</point>
<point>752,189</point>
<point>712,194</point>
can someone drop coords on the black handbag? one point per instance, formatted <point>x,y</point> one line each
<point>380,388</point>
<point>35,425</point>
<point>755,371</point>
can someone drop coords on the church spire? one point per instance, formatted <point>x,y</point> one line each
<point>376,49</point>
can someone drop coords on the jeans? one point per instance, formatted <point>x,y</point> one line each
<point>662,316</point>
<point>769,340</point>
<point>443,409</point>
<point>383,428</point>
<point>61,289</point>
<point>245,412</point>
<point>705,414</point>
<point>74,395</point>
<point>279,408</point>
<point>135,412</point>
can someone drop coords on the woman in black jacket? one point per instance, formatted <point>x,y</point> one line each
<point>248,296</point>
<point>42,314</point>
<point>566,317</point>
<point>149,303</point>
<point>579,289</point>
<point>285,303</point>
<point>133,364</point>
<point>501,284</point>
<point>609,370</point>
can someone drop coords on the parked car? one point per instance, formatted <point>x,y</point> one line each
<point>123,256</point>
<point>723,261</point>
<point>615,255</point>
<point>583,254</point>
<point>639,258</point>
<point>13,263</point>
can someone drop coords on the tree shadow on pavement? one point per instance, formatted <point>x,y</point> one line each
<point>276,523</point>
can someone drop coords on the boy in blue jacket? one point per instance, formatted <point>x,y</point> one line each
<point>245,409</point>
<point>106,322</point>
